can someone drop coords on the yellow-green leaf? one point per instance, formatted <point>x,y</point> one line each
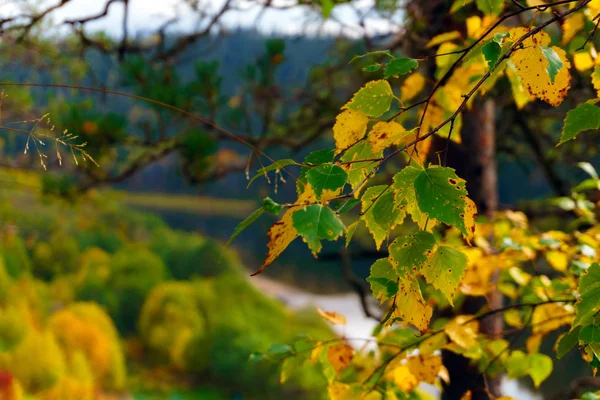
<point>374,99</point>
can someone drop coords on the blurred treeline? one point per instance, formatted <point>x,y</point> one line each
<point>99,300</point>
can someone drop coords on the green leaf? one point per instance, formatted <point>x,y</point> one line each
<point>271,207</point>
<point>445,270</point>
<point>554,62</point>
<point>490,7</point>
<point>378,212</point>
<point>315,158</point>
<point>275,166</point>
<point>441,194</point>
<point>491,51</point>
<point>326,177</point>
<point>516,365</point>
<point>383,280</point>
<point>372,68</point>
<point>588,306</point>
<point>326,8</point>
<point>590,278</point>
<point>409,253</point>
<point>590,396</point>
<point>358,170</point>
<point>372,53</point>
<point>400,66</point>
<point>590,334</point>
<point>320,157</point>
<point>350,231</point>
<point>540,368</point>
<point>245,223</point>
<point>405,197</point>
<point>567,341</point>
<point>458,4</point>
<point>315,223</point>
<point>347,205</point>
<point>583,118</point>
<point>279,352</point>
<point>374,99</point>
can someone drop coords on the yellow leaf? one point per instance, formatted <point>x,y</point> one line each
<point>444,374</point>
<point>467,396</point>
<point>558,260</point>
<point>473,26</point>
<point>520,95</point>
<point>386,134</point>
<point>350,126</point>
<point>549,317</point>
<point>532,68</point>
<point>536,3</point>
<point>463,330</point>
<point>594,7</point>
<point>477,26</point>
<point>338,391</point>
<point>445,61</point>
<point>513,318</point>
<point>505,398</point>
<point>442,38</point>
<point>412,86</point>
<point>583,61</point>
<point>404,379</point>
<point>425,369</point>
<point>339,356</point>
<point>282,233</point>
<point>411,306</point>
<point>332,317</point>
<point>533,343</point>
<point>469,217</point>
<point>572,25</point>
<point>476,281</point>
<point>596,79</point>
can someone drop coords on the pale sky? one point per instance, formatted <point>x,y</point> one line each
<point>146,14</point>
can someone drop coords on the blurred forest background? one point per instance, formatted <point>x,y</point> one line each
<point>114,278</point>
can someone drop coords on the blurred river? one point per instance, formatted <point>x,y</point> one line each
<point>359,326</point>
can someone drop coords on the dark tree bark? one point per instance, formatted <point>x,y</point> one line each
<point>475,161</point>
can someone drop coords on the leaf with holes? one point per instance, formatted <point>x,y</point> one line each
<point>441,194</point>
<point>409,253</point>
<point>387,134</point>
<point>326,177</point>
<point>378,212</point>
<point>383,280</point>
<point>374,99</point>
<point>412,308</point>
<point>445,270</point>
<point>357,171</point>
<point>539,76</point>
<point>400,66</point>
<point>405,197</point>
<point>350,126</point>
<point>315,223</point>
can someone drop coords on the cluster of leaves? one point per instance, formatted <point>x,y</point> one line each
<point>448,255</point>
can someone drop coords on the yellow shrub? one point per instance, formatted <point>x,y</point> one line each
<point>85,328</point>
<point>38,362</point>
<point>14,321</point>
<point>77,385</point>
<point>95,265</point>
<point>169,318</point>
